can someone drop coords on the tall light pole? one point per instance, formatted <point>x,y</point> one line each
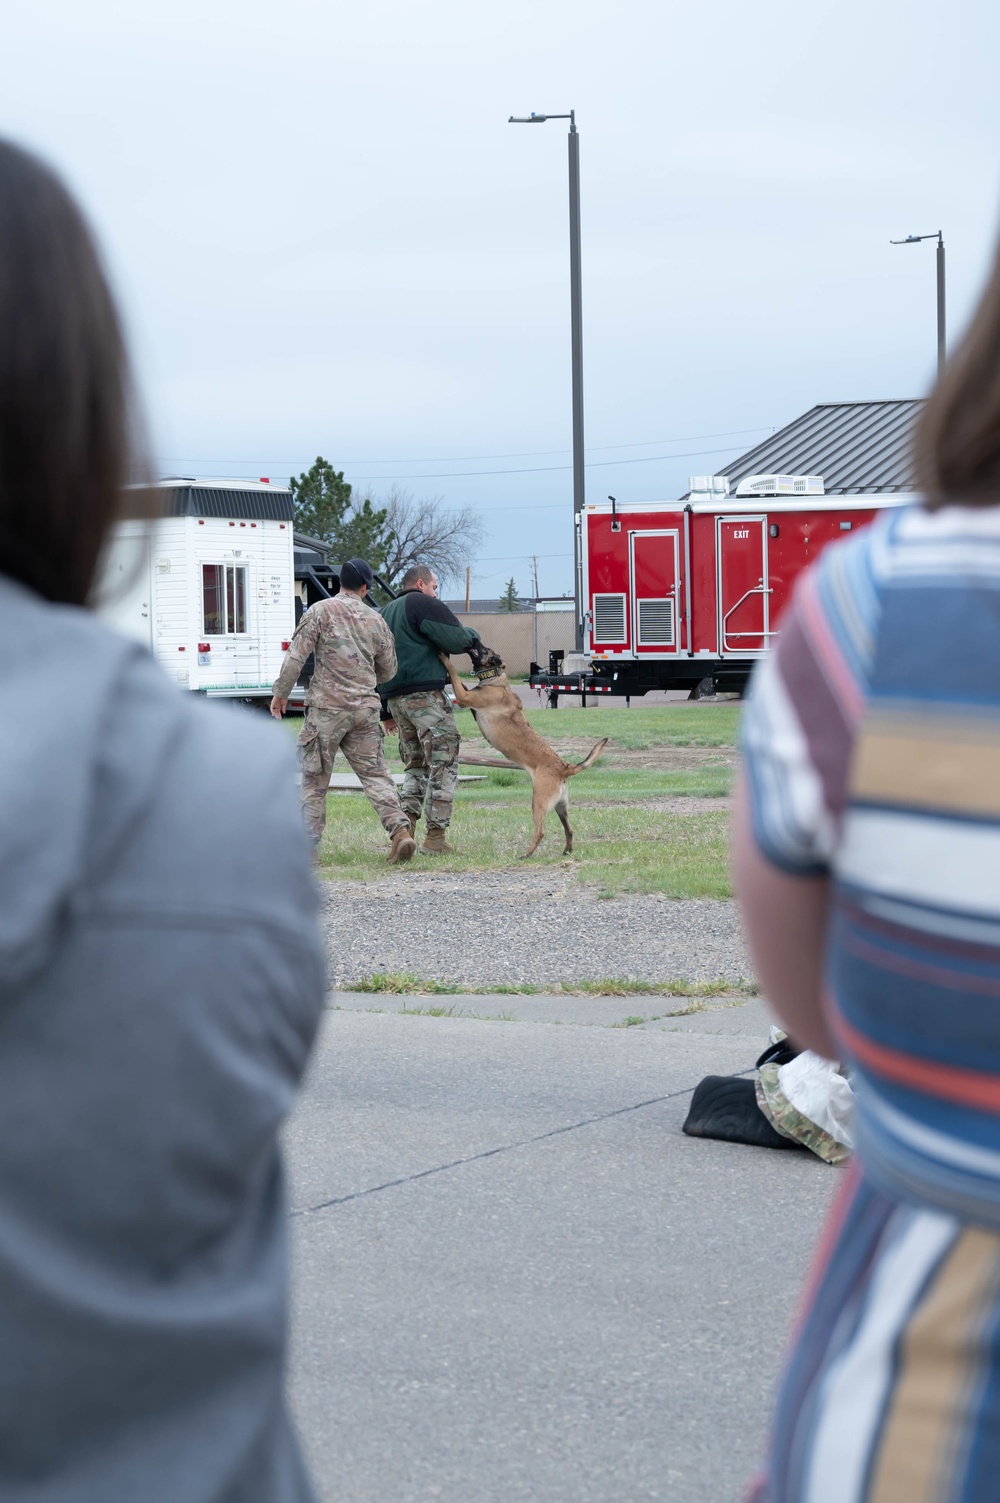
<point>913,240</point>
<point>576,343</point>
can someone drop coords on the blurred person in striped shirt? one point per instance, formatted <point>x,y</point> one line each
<point>867,860</point>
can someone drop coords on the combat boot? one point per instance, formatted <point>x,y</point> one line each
<point>403,845</point>
<point>435,843</point>
<point>413,821</point>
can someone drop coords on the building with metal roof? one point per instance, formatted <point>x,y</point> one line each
<point>859,448</point>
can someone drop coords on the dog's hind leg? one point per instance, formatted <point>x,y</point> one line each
<point>539,811</point>
<point>562,809</point>
<point>544,798</point>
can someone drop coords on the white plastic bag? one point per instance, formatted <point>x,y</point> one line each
<point>816,1089</point>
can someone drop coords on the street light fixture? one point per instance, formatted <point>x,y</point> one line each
<point>576,341</point>
<point>913,240</point>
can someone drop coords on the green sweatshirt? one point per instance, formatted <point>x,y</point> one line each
<point>422,626</point>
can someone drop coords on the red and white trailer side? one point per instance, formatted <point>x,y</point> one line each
<point>679,592</point>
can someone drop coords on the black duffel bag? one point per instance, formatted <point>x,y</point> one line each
<point>725,1106</point>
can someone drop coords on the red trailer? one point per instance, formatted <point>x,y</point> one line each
<point>678,593</point>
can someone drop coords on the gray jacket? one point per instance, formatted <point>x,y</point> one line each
<point>160,985</point>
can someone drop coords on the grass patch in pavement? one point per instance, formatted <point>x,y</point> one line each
<point>406,984</point>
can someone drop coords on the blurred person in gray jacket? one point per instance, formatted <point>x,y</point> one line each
<point>160,976</point>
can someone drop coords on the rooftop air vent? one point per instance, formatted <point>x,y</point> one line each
<point>708,485</point>
<point>781,485</point>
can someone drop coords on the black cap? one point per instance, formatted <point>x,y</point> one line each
<point>356,573</point>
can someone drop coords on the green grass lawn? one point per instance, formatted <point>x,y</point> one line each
<point>627,838</point>
<point>637,729</point>
<point>621,848</point>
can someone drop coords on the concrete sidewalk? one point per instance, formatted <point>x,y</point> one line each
<point>747,1016</point>
<point>515,1279</point>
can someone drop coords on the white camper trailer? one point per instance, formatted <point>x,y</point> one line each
<point>209,588</point>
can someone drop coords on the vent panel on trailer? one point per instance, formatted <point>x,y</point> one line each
<point>609,619</point>
<point>656,623</point>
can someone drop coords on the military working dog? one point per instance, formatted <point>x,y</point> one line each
<point>498,714</point>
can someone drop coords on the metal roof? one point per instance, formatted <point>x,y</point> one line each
<point>859,448</point>
<point>261,503</point>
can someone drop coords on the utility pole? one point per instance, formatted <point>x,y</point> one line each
<point>468,586</point>
<point>576,350</point>
<point>534,564</point>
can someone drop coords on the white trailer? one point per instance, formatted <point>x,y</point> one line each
<point>210,587</point>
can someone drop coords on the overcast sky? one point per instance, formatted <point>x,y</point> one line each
<point>328,240</point>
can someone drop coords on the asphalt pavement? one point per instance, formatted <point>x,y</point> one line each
<point>514,1278</point>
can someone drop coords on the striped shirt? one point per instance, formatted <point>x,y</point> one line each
<point>872,743</point>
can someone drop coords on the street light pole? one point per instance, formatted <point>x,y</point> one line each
<point>939,258</point>
<point>576,350</point>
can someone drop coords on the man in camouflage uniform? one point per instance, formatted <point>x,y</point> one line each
<point>416,704</point>
<point>354,650</point>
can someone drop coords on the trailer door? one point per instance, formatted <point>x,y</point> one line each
<point>744,611</point>
<point>229,657</point>
<point>655,570</point>
<point>124,593</point>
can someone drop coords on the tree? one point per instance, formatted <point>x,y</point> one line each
<point>324,509</point>
<point>424,531</point>
<point>509,600</point>
<point>322,498</point>
<point>363,534</point>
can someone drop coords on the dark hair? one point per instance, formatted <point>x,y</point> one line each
<point>419,573</point>
<point>65,408</point>
<point>957,440</point>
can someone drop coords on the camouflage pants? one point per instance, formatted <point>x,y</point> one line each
<point>428,749</point>
<point>358,734</point>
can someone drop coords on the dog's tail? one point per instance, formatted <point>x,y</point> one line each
<point>588,760</point>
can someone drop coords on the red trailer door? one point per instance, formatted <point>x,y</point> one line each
<point>655,568</point>
<point>743,592</point>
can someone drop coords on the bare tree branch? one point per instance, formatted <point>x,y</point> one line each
<point>422,530</point>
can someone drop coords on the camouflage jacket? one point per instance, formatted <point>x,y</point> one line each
<point>354,651</point>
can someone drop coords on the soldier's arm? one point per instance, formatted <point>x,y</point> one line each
<point>385,655</point>
<point>302,644</point>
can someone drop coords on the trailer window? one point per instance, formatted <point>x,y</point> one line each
<point>223,599</point>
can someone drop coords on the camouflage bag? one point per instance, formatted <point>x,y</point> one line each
<point>787,1118</point>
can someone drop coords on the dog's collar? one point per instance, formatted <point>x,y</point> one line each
<point>484,673</point>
